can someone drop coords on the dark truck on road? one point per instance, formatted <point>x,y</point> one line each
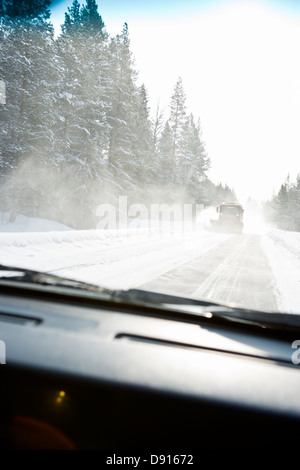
<point>230,218</point>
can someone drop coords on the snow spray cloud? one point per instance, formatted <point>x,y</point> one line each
<point>168,217</point>
<point>36,190</point>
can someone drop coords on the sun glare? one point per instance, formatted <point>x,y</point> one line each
<point>241,75</point>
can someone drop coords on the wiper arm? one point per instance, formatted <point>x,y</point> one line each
<point>157,298</point>
<point>37,277</point>
<point>270,320</point>
<point>133,295</point>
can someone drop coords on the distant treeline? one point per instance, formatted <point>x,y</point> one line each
<point>283,210</point>
<point>76,129</point>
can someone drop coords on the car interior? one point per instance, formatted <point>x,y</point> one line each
<point>87,373</point>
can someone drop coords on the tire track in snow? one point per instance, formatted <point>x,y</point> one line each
<point>129,266</point>
<point>235,271</point>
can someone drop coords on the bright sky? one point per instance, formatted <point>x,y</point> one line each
<point>240,66</point>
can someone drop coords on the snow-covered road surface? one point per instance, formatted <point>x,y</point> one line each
<point>257,269</point>
<point>138,259</point>
<point>112,258</point>
<point>235,271</point>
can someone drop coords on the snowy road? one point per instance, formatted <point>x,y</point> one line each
<point>235,271</point>
<point>137,259</point>
<point>259,269</point>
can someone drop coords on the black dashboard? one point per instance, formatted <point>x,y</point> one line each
<point>87,374</point>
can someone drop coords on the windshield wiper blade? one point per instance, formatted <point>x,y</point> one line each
<point>157,298</point>
<point>271,320</point>
<point>38,277</point>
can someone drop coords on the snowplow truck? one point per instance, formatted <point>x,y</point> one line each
<point>230,218</point>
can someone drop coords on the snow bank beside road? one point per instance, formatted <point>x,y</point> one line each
<point>52,251</point>
<point>29,224</point>
<point>283,251</point>
<point>288,240</point>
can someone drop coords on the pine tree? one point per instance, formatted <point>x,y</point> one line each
<point>25,120</point>
<point>195,162</point>
<point>183,159</point>
<point>177,123</point>
<point>24,9</point>
<point>82,107</point>
<point>91,18</point>
<point>283,205</point>
<point>166,155</point>
<point>72,19</point>
<point>143,147</point>
<point>157,128</point>
<point>286,205</point>
<point>296,199</point>
<point>122,114</point>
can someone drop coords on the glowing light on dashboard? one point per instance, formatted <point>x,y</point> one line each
<point>60,397</point>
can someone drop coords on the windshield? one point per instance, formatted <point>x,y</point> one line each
<point>125,125</point>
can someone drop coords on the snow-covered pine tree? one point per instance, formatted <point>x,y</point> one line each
<point>82,106</point>
<point>225,194</point>
<point>183,159</point>
<point>165,167</point>
<point>177,123</point>
<point>283,210</point>
<point>20,9</point>
<point>194,161</point>
<point>157,129</point>
<point>122,113</point>
<point>143,146</point>
<point>25,120</point>
<point>295,199</point>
